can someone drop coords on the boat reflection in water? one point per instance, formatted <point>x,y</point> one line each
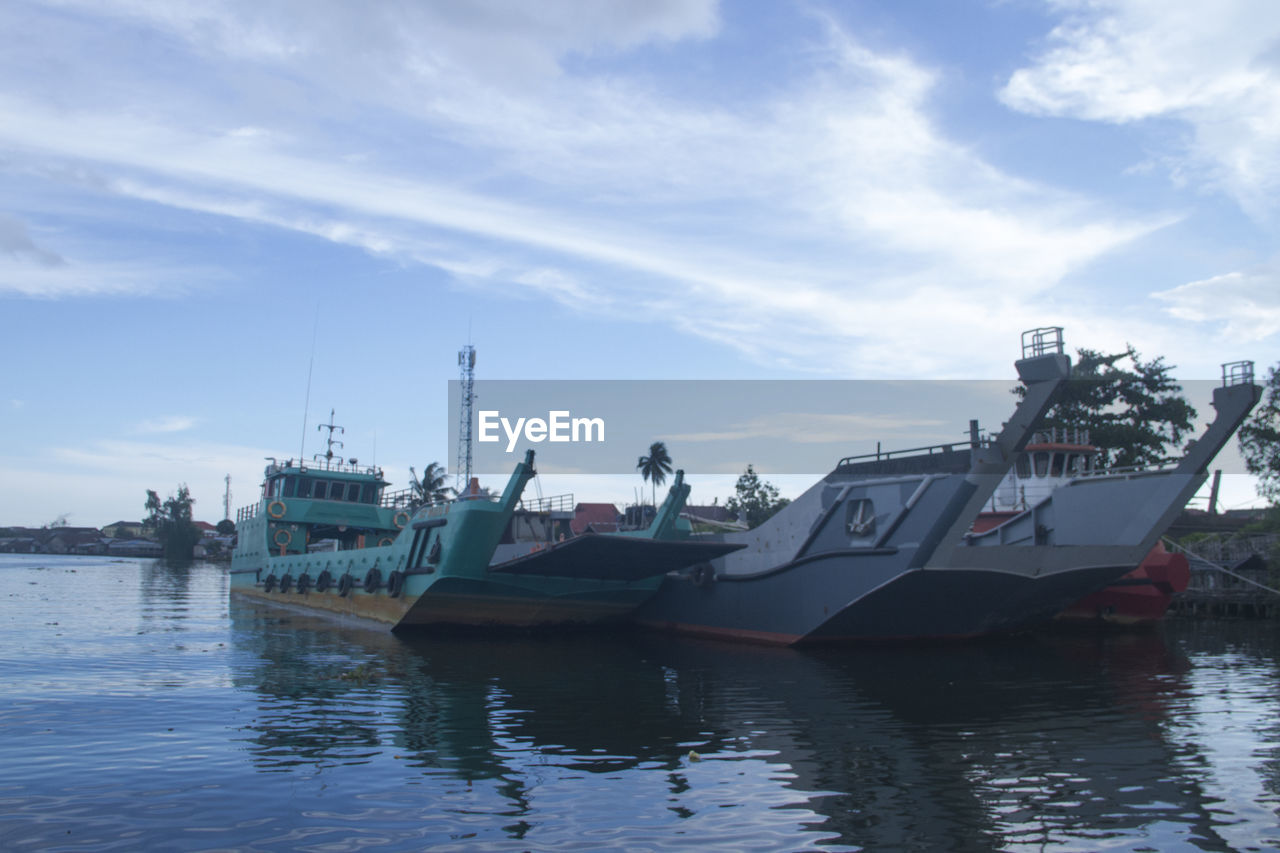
<point>642,739</point>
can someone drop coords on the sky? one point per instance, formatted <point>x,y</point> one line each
<point>221,220</point>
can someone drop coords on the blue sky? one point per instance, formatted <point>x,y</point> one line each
<point>191,194</point>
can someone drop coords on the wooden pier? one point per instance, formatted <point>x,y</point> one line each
<point>1231,580</point>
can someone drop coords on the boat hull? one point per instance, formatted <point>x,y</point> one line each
<point>843,598</point>
<point>1142,597</point>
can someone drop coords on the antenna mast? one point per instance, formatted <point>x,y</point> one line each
<point>226,499</point>
<point>467,365</point>
<point>330,442</point>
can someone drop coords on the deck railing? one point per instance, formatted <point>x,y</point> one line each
<point>554,503</point>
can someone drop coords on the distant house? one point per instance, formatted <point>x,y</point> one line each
<point>713,513</point>
<point>18,544</point>
<point>135,548</point>
<point>207,530</point>
<point>73,540</point>
<point>124,530</point>
<point>602,518</point>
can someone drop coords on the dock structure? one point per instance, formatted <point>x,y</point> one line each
<point>1232,579</point>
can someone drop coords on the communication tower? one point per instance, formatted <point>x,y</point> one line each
<point>467,369</point>
<point>226,499</point>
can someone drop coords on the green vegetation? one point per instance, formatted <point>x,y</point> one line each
<point>655,467</point>
<point>1132,409</point>
<point>1260,439</point>
<point>755,500</point>
<point>430,488</point>
<point>226,527</point>
<point>172,524</point>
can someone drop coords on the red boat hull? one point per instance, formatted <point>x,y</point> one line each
<point>1141,597</point>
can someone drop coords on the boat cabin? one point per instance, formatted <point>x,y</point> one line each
<point>340,481</point>
<point>1050,459</point>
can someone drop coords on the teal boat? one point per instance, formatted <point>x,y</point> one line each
<point>328,536</point>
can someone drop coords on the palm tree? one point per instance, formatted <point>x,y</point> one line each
<point>430,488</point>
<point>655,467</point>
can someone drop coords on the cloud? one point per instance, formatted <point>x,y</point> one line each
<point>17,243</point>
<point>169,423</point>
<point>1216,71</point>
<point>1245,305</point>
<point>805,224</point>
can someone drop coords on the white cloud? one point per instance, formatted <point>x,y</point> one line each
<point>1214,68</point>
<point>808,225</point>
<point>1244,305</point>
<point>168,423</point>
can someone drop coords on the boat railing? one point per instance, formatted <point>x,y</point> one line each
<point>554,503</point>
<point>1237,373</point>
<point>1043,341</point>
<point>1061,435</point>
<point>1131,470</point>
<point>245,513</point>
<point>928,450</point>
<point>398,499</point>
<point>339,466</point>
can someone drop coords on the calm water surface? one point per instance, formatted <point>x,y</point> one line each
<point>140,709</point>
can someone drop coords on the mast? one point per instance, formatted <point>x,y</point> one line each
<point>467,368</point>
<point>226,499</point>
<point>330,442</point>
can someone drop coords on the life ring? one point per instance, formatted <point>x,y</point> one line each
<point>286,582</point>
<point>395,584</point>
<point>372,579</point>
<point>269,584</point>
<point>323,581</point>
<point>276,509</point>
<point>344,585</point>
<point>282,537</point>
<point>400,519</point>
<point>385,541</point>
<point>304,582</point>
<point>703,575</point>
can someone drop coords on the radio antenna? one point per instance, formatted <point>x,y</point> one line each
<point>302,446</point>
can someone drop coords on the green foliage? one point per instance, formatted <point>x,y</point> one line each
<point>431,487</point>
<point>226,527</point>
<point>655,467</point>
<point>1260,439</point>
<point>755,500</point>
<point>1132,409</point>
<point>172,523</point>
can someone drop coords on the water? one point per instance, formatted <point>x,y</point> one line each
<point>140,709</point>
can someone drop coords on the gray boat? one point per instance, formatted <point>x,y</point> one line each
<point>882,548</point>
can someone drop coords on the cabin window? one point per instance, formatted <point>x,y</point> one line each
<point>1023,466</point>
<point>1075,464</point>
<point>1041,461</point>
<point>289,484</point>
<point>319,489</point>
<point>304,487</point>
<point>1056,468</point>
<point>370,494</point>
<point>860,518</point>
<point>353,492</point>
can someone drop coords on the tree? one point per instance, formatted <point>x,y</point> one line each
<point>1260,439</point>
<point>431,488</point>
<point>655,467</point>
<point>1136,414</point>
<point>755,501</point>
<point>226,527</point>
<point>172,523</point>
